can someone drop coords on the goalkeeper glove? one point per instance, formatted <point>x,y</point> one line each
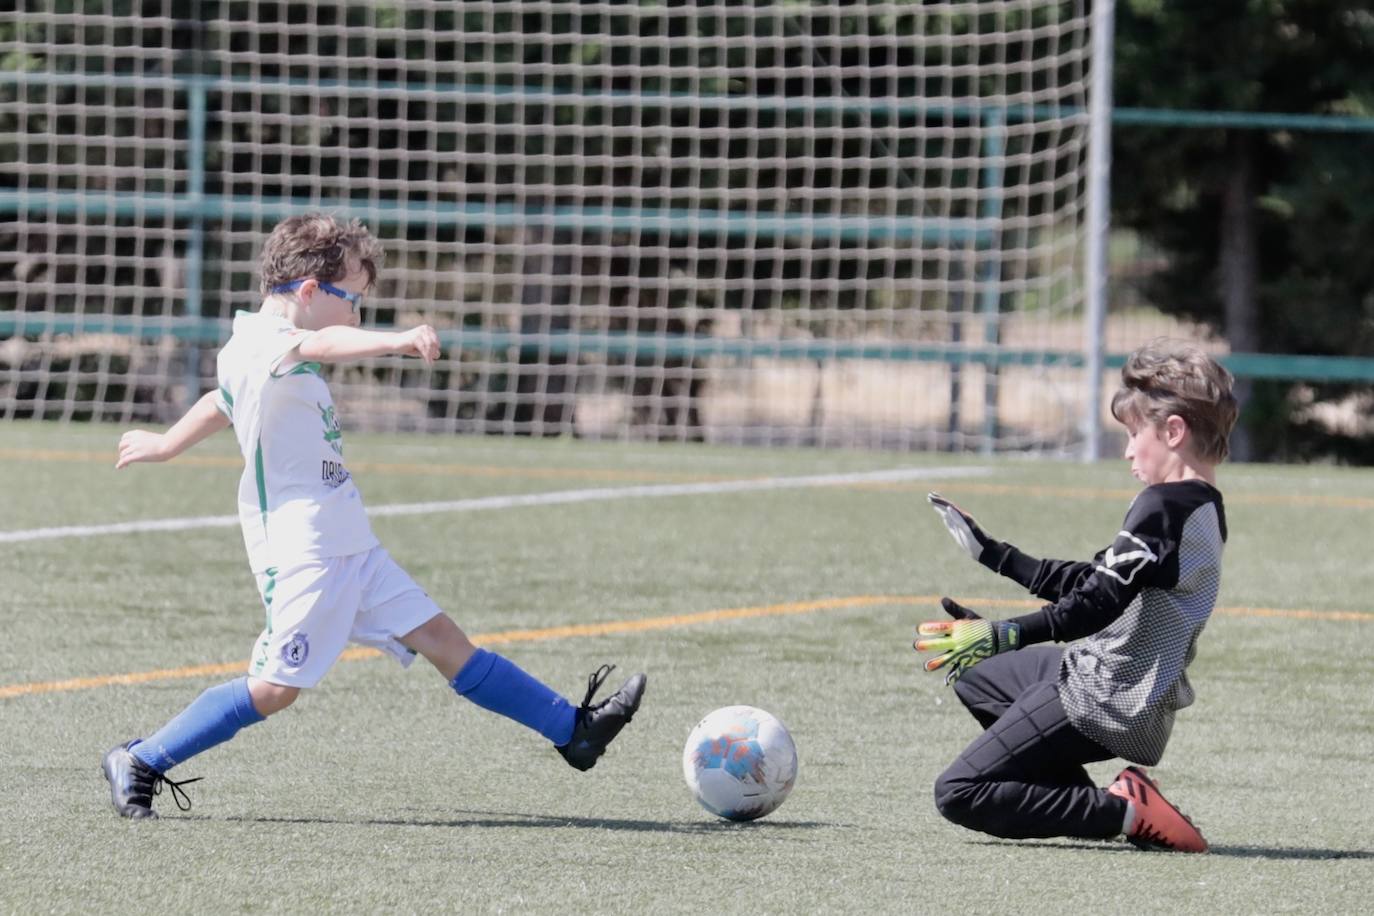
<point>962,527</point>
<point>966,640</point>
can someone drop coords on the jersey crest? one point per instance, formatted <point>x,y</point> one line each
<point>333,435</point>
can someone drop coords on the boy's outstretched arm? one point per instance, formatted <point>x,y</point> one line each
<point>1143,554</point>
<point>340,343</point>
<point>1048,579</point>
<point>200,421</point>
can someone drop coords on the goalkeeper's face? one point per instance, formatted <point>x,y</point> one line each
<point>1155,450</point>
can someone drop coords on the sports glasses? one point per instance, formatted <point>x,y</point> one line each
<point>354,299</point>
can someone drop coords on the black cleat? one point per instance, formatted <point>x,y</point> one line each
<point>133,784</point>
<point>596,726</point>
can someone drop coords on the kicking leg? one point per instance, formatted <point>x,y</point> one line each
<point>494,682</point>
<point>442,643</point>
<point>490,680</point>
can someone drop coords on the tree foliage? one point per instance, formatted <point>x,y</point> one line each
<point>1310,193</point>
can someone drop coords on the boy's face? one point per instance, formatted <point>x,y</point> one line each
<point>1154,451</point>
<point>324,308</point>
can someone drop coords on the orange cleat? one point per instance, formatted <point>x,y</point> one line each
<point>1158,824</point>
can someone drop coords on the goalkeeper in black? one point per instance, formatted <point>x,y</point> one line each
<point>1131,617</point>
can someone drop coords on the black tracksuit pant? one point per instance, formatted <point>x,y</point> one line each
<point>1024,776</point>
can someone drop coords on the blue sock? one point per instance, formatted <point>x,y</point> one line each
<point>496,683</point>
<point>212,718</point>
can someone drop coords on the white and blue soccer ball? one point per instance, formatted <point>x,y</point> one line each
<point>740,763</point>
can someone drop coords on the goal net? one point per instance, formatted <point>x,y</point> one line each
<point>797,222</point>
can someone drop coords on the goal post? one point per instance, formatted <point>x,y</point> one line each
<point>829,223</point>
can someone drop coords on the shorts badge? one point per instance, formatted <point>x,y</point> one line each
<point>296,650</point>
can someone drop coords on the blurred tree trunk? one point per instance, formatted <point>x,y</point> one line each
<point>1239,269</point>
<point>1264,230</point>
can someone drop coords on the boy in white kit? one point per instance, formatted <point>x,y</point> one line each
<point>323,577</point>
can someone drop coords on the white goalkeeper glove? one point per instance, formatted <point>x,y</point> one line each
<point>962,527</point>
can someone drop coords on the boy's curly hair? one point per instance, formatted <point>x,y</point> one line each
<point>320,246</point>
<point>1165,378</point>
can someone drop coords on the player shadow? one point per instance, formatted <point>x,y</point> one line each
<point>1289,852</point>
<point>1295,853</point>
<point>544,821</point>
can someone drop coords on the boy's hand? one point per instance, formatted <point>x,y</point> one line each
<point>961,525</point>
<point>141,445</point>
<point>421,342</point>
<point>966,640</point>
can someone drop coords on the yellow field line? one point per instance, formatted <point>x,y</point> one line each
<point>633,626</point>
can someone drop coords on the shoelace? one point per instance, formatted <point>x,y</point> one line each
<point>178,793</point>
<point>594,682</point>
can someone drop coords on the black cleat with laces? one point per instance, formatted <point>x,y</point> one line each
<point>596,726</point>
<point>133,784</point>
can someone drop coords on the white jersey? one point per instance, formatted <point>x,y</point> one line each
<point>297,501</point>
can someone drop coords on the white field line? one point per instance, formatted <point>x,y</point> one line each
<point>560,497</point>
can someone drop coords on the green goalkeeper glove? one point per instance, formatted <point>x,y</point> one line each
<point>966,640</point>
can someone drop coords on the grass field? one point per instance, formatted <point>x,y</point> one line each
<point>383,792</point>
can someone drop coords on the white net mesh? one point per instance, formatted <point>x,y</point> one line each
<point>838,223</point>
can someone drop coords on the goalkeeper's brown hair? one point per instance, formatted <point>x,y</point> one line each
<point>1165,378</point>
<point>320,246</point>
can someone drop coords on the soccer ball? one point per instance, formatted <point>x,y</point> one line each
<point>740,763</point>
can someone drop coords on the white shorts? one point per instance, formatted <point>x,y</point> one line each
<point>315,609</point>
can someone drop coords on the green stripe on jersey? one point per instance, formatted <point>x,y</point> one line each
<point>262,483</point>
<point>316,369</point>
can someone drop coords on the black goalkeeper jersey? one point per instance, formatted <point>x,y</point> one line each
<point>1133,616</point>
